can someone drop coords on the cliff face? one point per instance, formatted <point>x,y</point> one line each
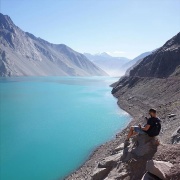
<point>23,54</point>
<point>154,82</point>
<point>162,63</point>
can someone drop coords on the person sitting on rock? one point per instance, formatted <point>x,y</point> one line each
<point>152,128</point>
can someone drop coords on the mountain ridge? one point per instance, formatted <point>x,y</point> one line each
<point>136,94</point>
<point>108,63</point>
<point>23,54</point>
<point>162,63</point>
<point>115,66</point>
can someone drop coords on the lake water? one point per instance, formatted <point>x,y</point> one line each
<point>50,125</point>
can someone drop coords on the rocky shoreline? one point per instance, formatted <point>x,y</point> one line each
<point>136,105</point>
<point>153,83</point>
<point>86,170</point>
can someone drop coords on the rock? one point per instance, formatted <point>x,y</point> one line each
<point>122,175</point>
<point>110,161</point>
<point>141,145</point>
<point>120,147</point>
<point>143,149</point>
<point>105,166</point>
<point>144,145</point>
<point>175,138</point>
<point>160,169</point>
<point>143,139</point>
<point>161,63</point>
<point>171,115</point>
<point>118,172</point>
<point>126,156</point>
<point>100,173</point>
<point>149,176</point>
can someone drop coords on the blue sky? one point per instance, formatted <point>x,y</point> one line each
<point>121,27</point>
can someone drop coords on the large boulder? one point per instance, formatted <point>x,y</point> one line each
<point>144,145</point>
<point>105,166</point>
<point>127,154</point>
<point>112,167</point>
<point>110,161</point>
<point>120,147</point>
<point>99,173</point>
<point>141,145</point>
<point>160,169</point>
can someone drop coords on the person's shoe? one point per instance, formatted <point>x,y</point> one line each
<point>126,143</point>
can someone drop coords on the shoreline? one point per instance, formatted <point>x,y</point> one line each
<point>94,150</point>
<point>98,147</point>
<point>116,137</point>
<point>137,107</point>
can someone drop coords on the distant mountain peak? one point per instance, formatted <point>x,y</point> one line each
<point>6,22</point>
<point>23,54</point>
<point>111,65</point>
<point>104,54</point>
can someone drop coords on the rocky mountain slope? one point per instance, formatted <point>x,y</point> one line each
<point>130,65</point>
<point>162,63</point>
<point>154,82</point>
<point>135,61</point>
<point>23,54</point>
<point>109,64</point>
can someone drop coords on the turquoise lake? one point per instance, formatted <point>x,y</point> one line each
<point>50,125</point>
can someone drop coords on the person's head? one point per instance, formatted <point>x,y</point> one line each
<point>152,112</point>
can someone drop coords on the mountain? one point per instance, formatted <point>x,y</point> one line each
<point>23,54</point>
<point>162,63</point>
<point>153,83</point>
<point>115,66</point>
<point>108,63</point>
<point>129,65</point>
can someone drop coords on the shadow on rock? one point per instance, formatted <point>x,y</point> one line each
<point>127,162</point>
